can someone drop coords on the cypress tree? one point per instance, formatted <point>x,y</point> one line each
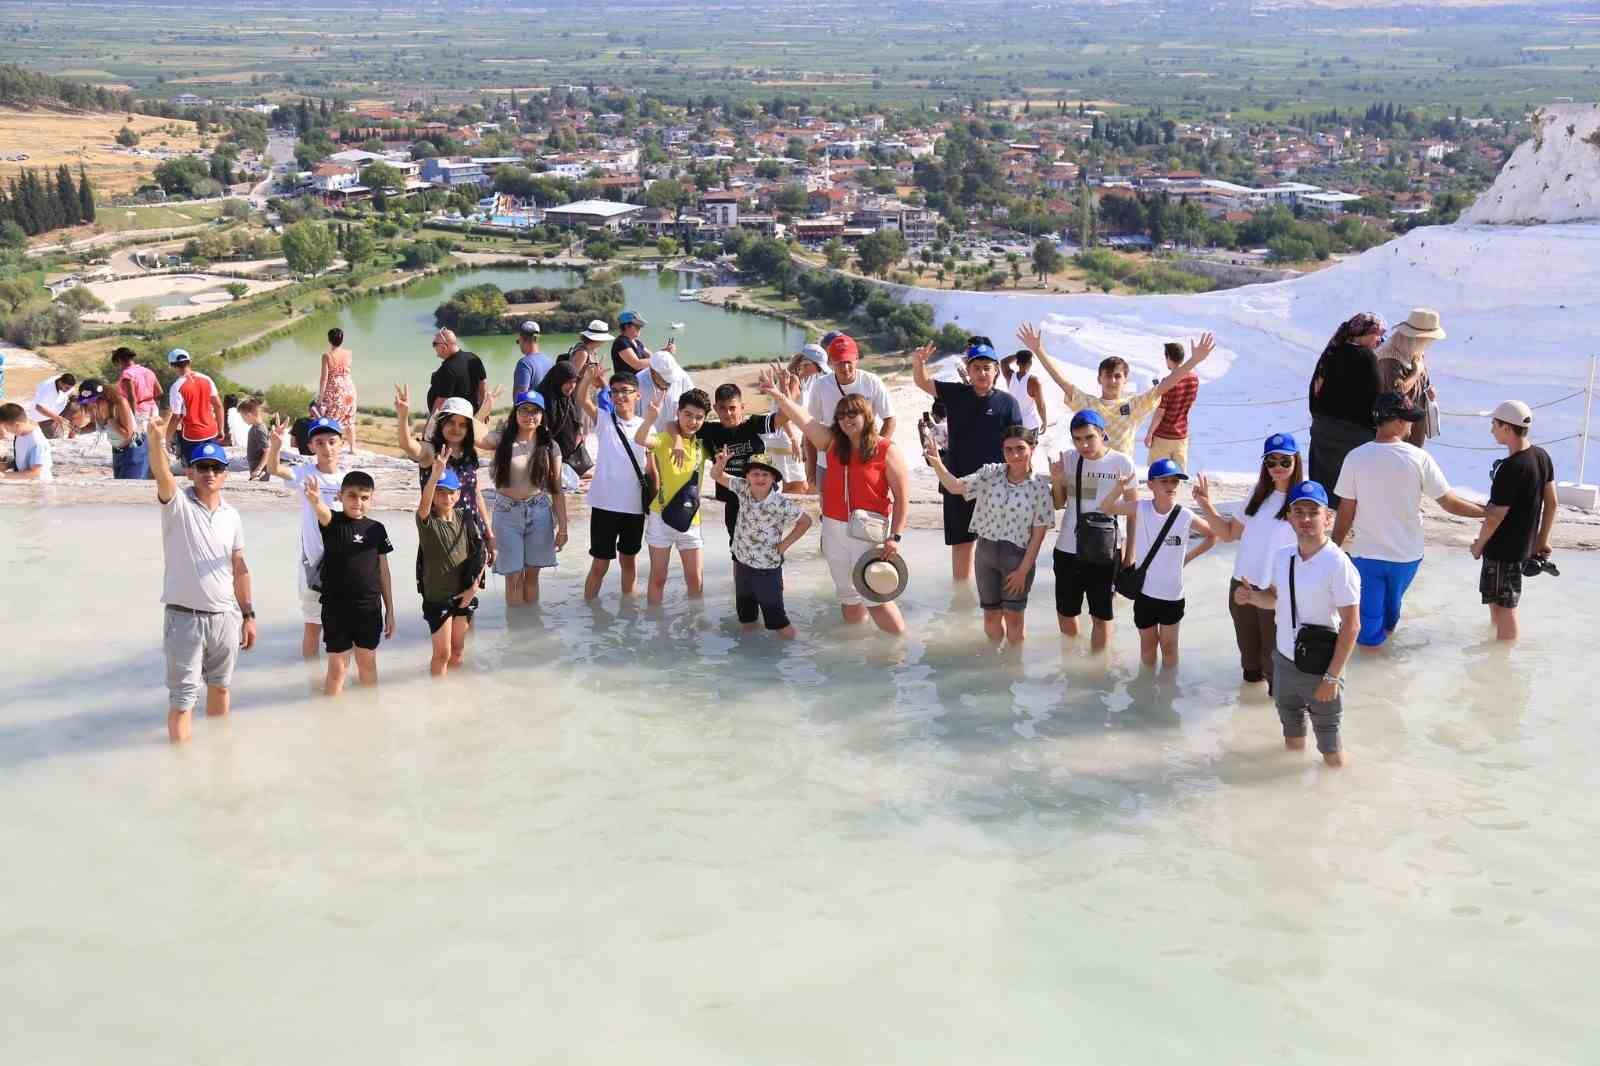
<point>67,195</point>
<point>85,196</point>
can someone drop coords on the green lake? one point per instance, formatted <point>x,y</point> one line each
<point>391,334</point>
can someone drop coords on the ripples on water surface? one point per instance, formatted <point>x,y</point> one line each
<point>630,835</point>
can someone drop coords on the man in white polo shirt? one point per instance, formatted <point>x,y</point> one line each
<point>206,585</point>
<point>847,379</point>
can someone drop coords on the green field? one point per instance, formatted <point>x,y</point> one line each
<point>1189,59</point>
<point>156,216</point>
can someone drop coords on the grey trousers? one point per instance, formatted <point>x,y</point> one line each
<point>198,647</point>
<point>1293,690</point>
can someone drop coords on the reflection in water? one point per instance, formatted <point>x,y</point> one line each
<point>645,827</point>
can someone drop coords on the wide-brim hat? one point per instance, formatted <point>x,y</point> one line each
<point>763,461</point>
<point>1421,322</point>
<point>880,579</point>
<point>597,331</point>
<point>456,405</point>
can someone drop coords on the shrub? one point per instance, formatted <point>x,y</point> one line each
<point>288,400</point>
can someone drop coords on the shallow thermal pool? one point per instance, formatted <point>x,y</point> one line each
<point>625,835</point>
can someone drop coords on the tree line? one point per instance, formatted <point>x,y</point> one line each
<point>38,204</point>
<point>20,87</point>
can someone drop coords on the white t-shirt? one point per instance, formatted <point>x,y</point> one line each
<point>198,546</point>
<point>238,429</point>
<point>1164,579</point>
<point>32,449</point>
<point>1018,388</point>
<point>49,398</point>
<point>328,489</point>
<point>1101,477</point>
<point>1264,536</point>
<point>826,392</point>
<point>615,487</point>
<point>1388,481</point>
<point>1322,584</point>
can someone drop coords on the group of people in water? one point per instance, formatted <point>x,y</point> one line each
<point>1323,563</point>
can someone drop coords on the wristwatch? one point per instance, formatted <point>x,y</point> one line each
<point>896,537</point>
<point>1339,681</point>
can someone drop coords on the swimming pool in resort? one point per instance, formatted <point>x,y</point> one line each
<point>630,835</point>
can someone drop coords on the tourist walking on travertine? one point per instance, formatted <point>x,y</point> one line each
<point>1515,538</point>
<point>336,388</point>
<point>1401,368</point>
<point>1314,595</point>
<point>1262,529</point>
<point>1168,436</point>
<point>1023,385</point>
<point>205,586</point>
<point>1343,388</point>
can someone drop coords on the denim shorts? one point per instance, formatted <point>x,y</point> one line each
<point>524,534</point>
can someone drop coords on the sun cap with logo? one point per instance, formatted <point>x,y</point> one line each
<point>880,579</point>
<point>1513,413</point>
<point>176,356</point>
<point>1421,322</point>
<point>455,405</point>
<point>1279,444</point>
<point>664,365</point>
<point>1309,490</point>
<point>323,425</point>
<point>981,351</point>
<point>814,353</point>
<point>1390,406</point>
<point>843,349</point>
<point>1166,468</point>
<point>1087,417</point>
<point>524,398</point>
<point>209,452</point>
<point>631,318</point>
<point>763,461</point>
<point>597,331</point>
<point>529,328</point>
<point>91,390</point>
<point>449,481</point>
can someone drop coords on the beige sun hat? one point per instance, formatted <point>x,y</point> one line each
<point>880,580</point>
<point>1421,322</point>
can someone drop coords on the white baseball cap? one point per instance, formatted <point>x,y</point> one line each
<point>1513,413</point>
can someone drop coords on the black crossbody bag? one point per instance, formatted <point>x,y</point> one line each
<point>1130,579</point>
<point>678,513</point>
<point>1313,644</point>
<point>1096,531</point>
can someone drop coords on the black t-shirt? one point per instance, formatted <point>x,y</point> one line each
<point>976,423</point>
<point>742,441</point>
<point>1350,384</point>
<point>351,548</point>
<point>626,344</point>
<point>460,375</point>
<point>1519,482</point>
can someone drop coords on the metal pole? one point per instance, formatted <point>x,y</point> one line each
<point>1588,407</point>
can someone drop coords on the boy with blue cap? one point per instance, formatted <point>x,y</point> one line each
<point>1158,533</point>
<point>1315,597</point>
<point>452,560</point>
<point>1085,556</point>
<point>325,438</point>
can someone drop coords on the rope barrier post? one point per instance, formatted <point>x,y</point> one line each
<point>1577,493</point>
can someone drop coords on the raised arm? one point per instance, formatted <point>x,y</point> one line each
<point>1033,341</point>
<point>588,387</point>
<point>818,435</point>
<point>1199,352</point>
<point>719,469</point>
<point>919,368</point>
<point>1208,540</point>
<point>1124,501</point>
<point>1225,528</point>
<point>953,485</point>
<point>313,493</point>
<point>273,467</point>
<point>425,503</point>
<point>402,414</point>
<point>160,465</point>
<point>647,425</point>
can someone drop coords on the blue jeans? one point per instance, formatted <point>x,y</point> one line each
<point>133,462</point>
<point>1383,587</point>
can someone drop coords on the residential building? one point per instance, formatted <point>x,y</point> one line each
<point>453,172</point>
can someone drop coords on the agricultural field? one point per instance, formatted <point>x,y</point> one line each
<point>50,138</point>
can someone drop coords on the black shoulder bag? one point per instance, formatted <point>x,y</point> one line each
<point>678,512</point>
<point>1313,644</point>
<point>1130,579</point>
<point>1096,531</point>
<point>647,490</point>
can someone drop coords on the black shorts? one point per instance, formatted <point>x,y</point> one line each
<point>346,625</point>
<point>1075,580</point>
<point>755,589</point>
<point>1500,584</point>
<point>958,519</point>
<point>612,533</point>
<point>1149,612</point>
<point>435,614</point>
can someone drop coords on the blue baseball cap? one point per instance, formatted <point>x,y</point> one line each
<point>1166,468</point>
<point>535,398</point>
<point>982,351</point>
<point>1309,490</point>
<point>1088,418</point>
<point>449,480</point>
<point>176,356</point>
<point>631,318</point>
<point>1279,444</point>
<point>209,452</point>
<point>323,425</point>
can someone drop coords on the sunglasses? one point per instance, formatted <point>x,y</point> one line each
<point>1282,462</point>
<point>209,468</point>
